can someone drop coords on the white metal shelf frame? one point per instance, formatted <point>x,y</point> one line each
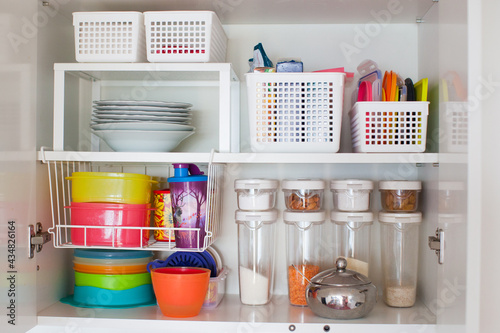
<point>182,74</point>
<point>242,158</point>
<point>60,193</point>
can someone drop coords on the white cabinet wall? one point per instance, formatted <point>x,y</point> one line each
<point>316,31</point>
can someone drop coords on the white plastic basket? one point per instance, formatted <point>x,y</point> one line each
<point>184,36</point>
<point>295,112</point>
<point>389,127</point>
<point>455,117</point>
<point>109,36</point>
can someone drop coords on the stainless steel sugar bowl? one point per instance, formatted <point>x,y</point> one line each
<point>339,293</point>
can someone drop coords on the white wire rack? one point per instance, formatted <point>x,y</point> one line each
<point>60,194</point>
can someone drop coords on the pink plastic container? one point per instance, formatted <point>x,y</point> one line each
<point>107,223</point>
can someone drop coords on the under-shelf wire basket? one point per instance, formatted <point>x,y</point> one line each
<point>60,194</point>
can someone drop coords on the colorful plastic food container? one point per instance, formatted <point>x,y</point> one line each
<point>115,187</point>
<point>108,224</point>
<point>180,291</point>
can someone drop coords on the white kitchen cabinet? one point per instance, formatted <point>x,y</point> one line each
<point>453,40</point>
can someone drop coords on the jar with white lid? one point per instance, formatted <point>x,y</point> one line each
<point>303,251</point>
<point>256,194</point>
<point>351,195</point>
<point>352,238</point>
<point>399,239</point>
<point>399,195</point>
<point>256,251</point>
<point>303,194</point>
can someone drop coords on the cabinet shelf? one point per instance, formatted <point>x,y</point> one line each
<point>239,158</point>
<point>232,316</point>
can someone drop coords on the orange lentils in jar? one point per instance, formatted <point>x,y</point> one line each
<point>297,284</point>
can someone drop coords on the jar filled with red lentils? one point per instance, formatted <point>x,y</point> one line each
<point>303,251</point>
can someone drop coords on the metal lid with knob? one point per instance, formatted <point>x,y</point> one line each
<point>340,276</point>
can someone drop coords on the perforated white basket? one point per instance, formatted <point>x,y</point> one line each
<point>389,127</point>
<point>295,112</point>
<point>455,117</point>
<point>109,37</point>
<point>184,36</point>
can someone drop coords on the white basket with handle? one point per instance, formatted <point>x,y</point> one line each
<point>389,127</point>
<point>295,112</point>
<point>184,36</point>
<point>109,36</point>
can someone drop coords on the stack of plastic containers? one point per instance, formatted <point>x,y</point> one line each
<point>353,221</point>
<point>303,218</point>
<point>256,219</point>
<point>112,278</point>
<point>400,224</point>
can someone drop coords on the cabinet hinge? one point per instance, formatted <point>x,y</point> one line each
<point>37,237</point>
<point>436,243</point>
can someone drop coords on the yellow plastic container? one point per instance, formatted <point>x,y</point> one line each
<point>115,187</point>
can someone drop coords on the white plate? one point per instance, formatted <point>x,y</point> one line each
<point>143,141</point>
<point>143,126</point>
<point>137,117</point>
<point>103,121</point>
<point>139,108</point>
<point>145,103</point>
<point>142,113</point>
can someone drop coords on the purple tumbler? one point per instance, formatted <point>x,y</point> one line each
<point>188,190</point>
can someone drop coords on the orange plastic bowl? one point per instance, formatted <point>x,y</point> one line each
<point>112,269</point>
<point>180,291</point>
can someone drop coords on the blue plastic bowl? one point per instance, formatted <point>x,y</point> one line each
<point>108,298</point>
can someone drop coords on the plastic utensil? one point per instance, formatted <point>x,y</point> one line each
<point>180,291</point>
<point>410,95</point>
<point>365,92</point>
<point>112,282</point>
<point>421,88</point>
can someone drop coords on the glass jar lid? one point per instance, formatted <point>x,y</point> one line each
<point>365,217</point>
<point>313,217</point>
<point>340,276</point>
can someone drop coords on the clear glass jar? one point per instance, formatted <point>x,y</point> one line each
<point>399,196</point>
<point>352,239</point>
<point>351,195</point>
<point>303,251</point>
<point>303,194</point>
<point>399,240</point>
<point>256,251</point>
<point>256,194</point>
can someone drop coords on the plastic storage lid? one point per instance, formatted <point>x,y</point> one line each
<point>365,217</point>
<point>256,183</point>
<point>111,254</point>
<point>290,217</point>
<point>268,216</point>
<point>307,184</point>
<point>351,184</point>
<point>108,175</point>
<point>384,217</point>
<point>400,185</point>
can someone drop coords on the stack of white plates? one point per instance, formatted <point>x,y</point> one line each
<point>149,126</point>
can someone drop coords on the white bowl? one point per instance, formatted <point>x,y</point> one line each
<point>142,141</point>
